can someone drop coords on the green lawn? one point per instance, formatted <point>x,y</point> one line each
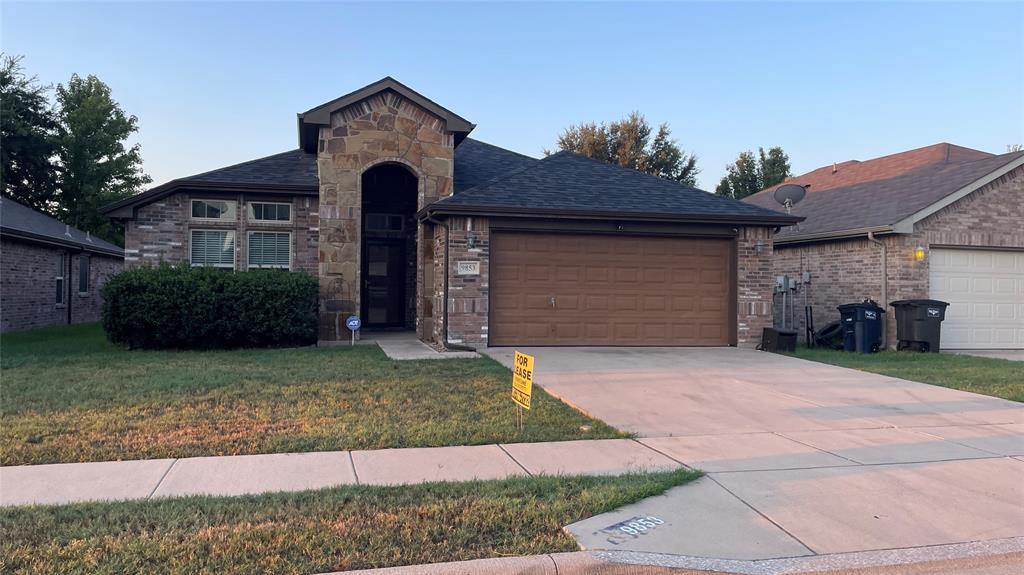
<point>316,531</point>
<point>69,395</point>
<point>988,376</point>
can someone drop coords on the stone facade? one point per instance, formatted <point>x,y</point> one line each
<point>160,231</point>
<point>850,270</point>
<point>384,128</point>
<point>28,285</point>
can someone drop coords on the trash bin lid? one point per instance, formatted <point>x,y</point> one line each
<point>860,305</point>
<point>919,302</point>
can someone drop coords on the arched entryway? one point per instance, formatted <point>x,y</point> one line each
<point>388,297</point>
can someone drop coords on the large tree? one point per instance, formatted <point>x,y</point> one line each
<point>750,174</point>
<point>27,144</point>
<point>628,143</point>
<point>96,167</point>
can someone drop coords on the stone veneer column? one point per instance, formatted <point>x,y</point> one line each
<point>384,128</point>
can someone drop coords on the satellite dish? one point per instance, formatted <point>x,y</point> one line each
<point>789,195</point>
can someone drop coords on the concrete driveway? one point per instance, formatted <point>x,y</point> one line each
<point>802,458</point>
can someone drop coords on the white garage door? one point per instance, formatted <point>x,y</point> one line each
<point>985,291</point>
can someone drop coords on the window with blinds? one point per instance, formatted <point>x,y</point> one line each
<point>213,248</point>
<point>270,250</point>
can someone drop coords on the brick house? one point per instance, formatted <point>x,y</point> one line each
<point>411,224</point>
<point>50,273</point>
<point>942,222</point>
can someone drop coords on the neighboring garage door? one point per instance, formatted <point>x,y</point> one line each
<point>573,289</point>
<point>985,291</point>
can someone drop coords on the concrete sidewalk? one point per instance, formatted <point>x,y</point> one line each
<point>249,474</point>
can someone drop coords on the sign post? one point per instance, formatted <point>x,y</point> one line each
<point>522,384</point>
<point>353,323</point>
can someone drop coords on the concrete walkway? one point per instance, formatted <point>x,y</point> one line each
<point>802,458</point>
<point>1010,354</point>
<point>404,345</point>
<point>248,474</point>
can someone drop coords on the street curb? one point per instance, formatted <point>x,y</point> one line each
<point>937,559</point>
<point>574,563</point>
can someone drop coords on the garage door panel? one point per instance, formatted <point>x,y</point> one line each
<point>984,289</point>
<point>609,290</point>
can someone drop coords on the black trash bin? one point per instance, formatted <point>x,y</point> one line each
<point>919,323</point>
<point>862,326</point>
<point>778,340</point>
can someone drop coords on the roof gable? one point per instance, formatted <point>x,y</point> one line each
<point>21,221</point>
<point>312,119</point>
<point>888,204</point>
<point>573,185</point>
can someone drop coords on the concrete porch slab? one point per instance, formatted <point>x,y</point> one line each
<point>607,457</point>
<point>422,464</point>
<point>404,345</point>
<point>246,474</point>
<point>858,508</point>
<point>700,519</point>
<point>746,452</point>
<point>70,482</point>
<point>885,445</point>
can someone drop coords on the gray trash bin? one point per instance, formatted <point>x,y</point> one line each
<point>919,323</point>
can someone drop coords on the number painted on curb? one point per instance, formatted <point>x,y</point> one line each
<point>631,528</point>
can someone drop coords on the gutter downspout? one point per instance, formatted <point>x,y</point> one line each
<point>885,286</point>
<point>444,310</point>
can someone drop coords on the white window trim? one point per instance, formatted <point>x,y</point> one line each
<point>248,243</point>
<point>232,210</point>
<point>234,255</point>
<point>62,278</point>
<point>252,212</point>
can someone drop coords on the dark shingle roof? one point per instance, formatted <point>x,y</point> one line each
<point>477,162</point>
<point>878,203</point>
<point>566,183</point>
<point>295,171</point>
<point>23,222</point>
<point>291,168</point>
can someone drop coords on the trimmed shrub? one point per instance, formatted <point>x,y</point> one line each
<point>182,307</point>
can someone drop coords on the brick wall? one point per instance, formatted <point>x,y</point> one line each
<point>28,286</point>
<point>754,284</point>
<point>160,231</point>
<point>850,270</point>
<point>468,294</point>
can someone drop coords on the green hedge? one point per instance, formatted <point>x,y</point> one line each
<point>181,307</point>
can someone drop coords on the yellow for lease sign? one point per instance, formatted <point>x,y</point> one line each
<point>522,379</point>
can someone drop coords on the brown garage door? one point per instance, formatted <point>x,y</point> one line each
<point>569,289</point>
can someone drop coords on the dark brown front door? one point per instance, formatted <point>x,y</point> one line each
<point>575,289</point>
<point>383,300</point>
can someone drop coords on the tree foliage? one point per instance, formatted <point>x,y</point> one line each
<point>96,166</point>
<point>27,143</point>
<point>750,174</point>
<point>628,143</point>
<point>68,158</point>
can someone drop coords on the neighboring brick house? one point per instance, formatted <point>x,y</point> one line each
<point>949,223</point>
<point>50,273</point>
<point>411,224</point>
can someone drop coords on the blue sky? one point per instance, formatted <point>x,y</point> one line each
<point>218,83</point>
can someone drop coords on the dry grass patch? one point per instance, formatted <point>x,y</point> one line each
<point>316,531</point>
<point>68,395</point>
